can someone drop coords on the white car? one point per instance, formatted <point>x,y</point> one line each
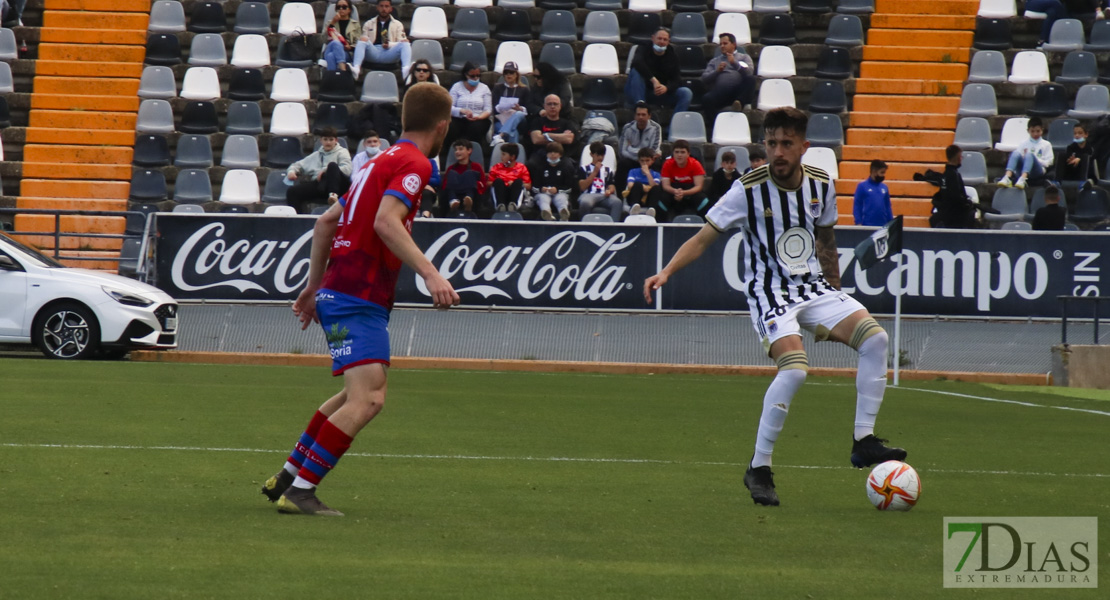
<point>76,313</point>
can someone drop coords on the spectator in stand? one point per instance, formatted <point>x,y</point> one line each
<point>597,184</point>
<point>548,80</point>
<point>420,72</point>
<point>464,184</point>
<point>342,34</point>
<point>952,209</point>
<point>643,186</point>
<point>683,184</point>
<point>472,106</point>
<point>642,132</point>
<point>384,40</point>
<point>724,177</point>
<point>871,204</point>
<point>729,78</point>
<point>1080,157</point>
<point>549,126</point>
<point>552,182</point>
<point>757,157</point>
<point>509,180</point>
<point>510,105</point>
<point>1054,10</point>
<point>371,147</point>
<point>655,76</point>
<point>1051,216</point>
<point>1034,156</point>
<point>13,13</point>
<point>320,177</point>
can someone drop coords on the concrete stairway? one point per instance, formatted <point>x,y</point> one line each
<point>81,126</point>
<point>904,112</point>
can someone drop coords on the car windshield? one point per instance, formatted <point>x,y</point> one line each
<point>39,258</point>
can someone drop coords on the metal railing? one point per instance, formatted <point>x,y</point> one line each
<point>58,234</point>
<point>1064,313</point>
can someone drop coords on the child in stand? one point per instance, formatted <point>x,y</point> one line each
<point>463,183</point>
<point>642,187</point>
<point>371,147</point>
<point>509,180</point>
<point>553,181</point>
<point>724,177</point>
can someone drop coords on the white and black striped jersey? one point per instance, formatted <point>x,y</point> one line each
<point>778,225</point>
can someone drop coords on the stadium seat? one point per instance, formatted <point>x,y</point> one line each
<point>166,16</point>
<point>193,152</point>
<point>7,83</point>
<point>240,152</point>
<point>987,66</point>
<point>1066,35</point>
<point>828,97</point>
<point>992,34</point>
<point>600,60</point>
<point>694,6</point>
<point>157,82</point>
<point>557,4</point>
<point>200,83</point>
<point>1091,206</point>
<point>641,219</point>
<point>253,18</point>
<point>297,17</point>
<point>429,50</point>
<point>743,161</point>
<point>822,158</point>
<point>155,116</point>
<point>1011,205</point>
<point>468,51</point>
<point>9,48</point>
<point>428,22</point>
<point>997,9</point>
<point>777,30</point>
<point>689,28</point>
<point>596,218</point>
<point>129,253</point>
<point>1017,226</point>
<point>732,6</point>
<point>641,26</point>
<point>731,128</point>
<point>246,84</point>
<point>1029,66</point>
<point>208,50</point>
<point>5,121</point>
<point>190,208</point>
<point>515,26</point>
<point>736,24</point>
<point>151,151</point>
<point>147,185</point>
<point>282,57</point>
<point>649,6</point>
<point>855,7</point>
<point>845,30</point>
<point>275,189</point>
<point>329,13</point>
<point>507,216</point>
<point>192,187</point>
<point>517,52</point>
<point>813,6</point>
<point>558,26</point>
<point>600,93</point>
<point>1080,68</point>
<point>244,117</point>
<point>825,130</point>
<point>1049,100</point>
<point>835,63</point>
<point>688,219</point>
<point>431,2</point>
<point>601,28</point>
<point>775,93</point>
<point>331,115</point>
<point>610,5</point>
<point>771,6</point>
<point>250,51</point>
<point>978,100</point>
<point>691,60</point>
<point>283,151</point>
<point>1100,37</point>
<point>162,49</point>
<point>289,118</point>
<point>280,211</point>
<point>1060,133</point>
<point>207,17</point>
<point>235,208</point>
<point>336,86</point>
<point>1014,132</point>
<point>689,126</point>
<point>1091,101</point>
<point>973,133</point>
<point>560,56</point>
<point>776,62</point>
<point>240,186</point>
<point>290,85</point>
<point>470,24</point>
<point>1037,203</point>
<point>973,168</point>
<point>380,86</point>
<point>610,159</point>
<point>604,114</point>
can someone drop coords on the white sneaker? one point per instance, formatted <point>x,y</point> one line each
<point>636,209</point>
<point>1020,183</point>
<point>546,215</point>
<point>322,63</point>
<point>512,207</point>
<point>355,69</point>
<point>1005,182</point>
<point>497,139</point>
<point>651,212</point>
<point>564,214</point>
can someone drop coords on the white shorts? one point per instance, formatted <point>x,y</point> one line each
<point>817,316</point>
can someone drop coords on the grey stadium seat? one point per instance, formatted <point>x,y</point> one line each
<point>192,187</point>
<point>689,28</point>
<point>240,152</point>
<point>1080,67</point>
<point>558,26</point>
<point>973,169</point>
<point>1011,204</point>
<point>988,66</point>
<point>157,82</point>
<point>470,24</point>
<point>689,126</point>
<point>560,56</point>
<point>973,133</point>
<point>429,50</point>
<point>978,100</point>
<point>275,190</point>
<point>1091,101</point>
<point>155,116</point>
<point>468,51</point>
<point>845,30</point>
<point>825,130</point>
<point>601,27</point>
<point>208,50</point>
<point>253,17</point>
<point>1066,35</point>
<point>193,152</point>
<point>244,118</point>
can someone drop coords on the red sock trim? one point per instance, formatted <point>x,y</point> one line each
<point>331,444</point>
<point>333,439</point>
<point>315,424</point>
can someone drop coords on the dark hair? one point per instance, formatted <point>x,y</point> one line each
<point>389,1</point>
<point>555,147</point>
<point>877,164</point>
<point>1083,125</point>
<point>663,29</point>
<point>370,134</point>
<point>597,148</point>
<point>510,150</point>
<point>729,155</point>
<point>681,144</point>
<point>645,153</point>
<point>468,67</point>
<point>552,79</point>
<point>329,132</point>
<point>643,105</point>
<point>952,152</point>
<point>757,153</point>
<point>1051,191</point>
<point>786,118</point>
<point>462,143</point>
<point>1035,122</point>
<point>731,38</point>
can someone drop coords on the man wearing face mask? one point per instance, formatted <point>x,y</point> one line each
<point>371,147</point>
<point>871,205</point>
<point>655,76</point>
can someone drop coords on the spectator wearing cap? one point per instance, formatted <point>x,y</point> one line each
<point>510,105</point>
<point>471,106</point>
<point>384,40</point>
<point>642,132</point>
<point>655,76</point>
<point>729,77</point>
<point>871,204</point>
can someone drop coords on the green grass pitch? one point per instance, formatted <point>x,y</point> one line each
<point>132,480</point>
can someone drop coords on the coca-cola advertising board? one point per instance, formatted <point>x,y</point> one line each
<point>603,266</point>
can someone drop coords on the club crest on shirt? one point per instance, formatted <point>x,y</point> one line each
<point>411,183</point>
<point>772,327</point>
<point>815,207</point>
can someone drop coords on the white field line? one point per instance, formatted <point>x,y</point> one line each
<point>634,461</point>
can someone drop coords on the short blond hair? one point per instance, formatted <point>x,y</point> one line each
<point>424,106</point>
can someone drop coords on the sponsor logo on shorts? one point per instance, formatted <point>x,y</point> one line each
<point>338,343</point>
<point>411,183</point>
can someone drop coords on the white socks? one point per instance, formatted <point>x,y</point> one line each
<point>776,404</point>
<point>870,383</point>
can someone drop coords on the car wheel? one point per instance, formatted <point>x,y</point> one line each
<point>66,331</point>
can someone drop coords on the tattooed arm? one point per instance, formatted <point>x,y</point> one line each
<point>827,255</point>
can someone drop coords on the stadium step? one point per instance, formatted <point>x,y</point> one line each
<point>83,119</point>
<point>909,87</point>
<point>93,103</point>
<point>914,54</point>
<point>74,188</point>
<point>139,6</point>
<point>897,172</point>
<point>858,136</point>
<point>93,36</point>
<point>926,38</point>
<point>932,7</point>
<point>902,21</point>
<point>904,121</point>
<point>77,154</point>
<point>86,69</point>
<point>84,137</point>
<point>95,20</point>
<point>107,52</point>
<point>72,203</point>
<point>87,86</point>
<point>907,220</point>
<point>906,104</point>
<point>67,171</point>
<point>908,189</point>
<point>900,206</point>
<point>935,156</point>
<point>922,70</point>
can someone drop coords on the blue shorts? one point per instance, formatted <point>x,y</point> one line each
<point>356,330</point>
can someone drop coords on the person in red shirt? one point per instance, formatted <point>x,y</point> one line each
<point>683,184</point>
<point>358,247</point>
<point>464,185</point>
<point>509,180</point>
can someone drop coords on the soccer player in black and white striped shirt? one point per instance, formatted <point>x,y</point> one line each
<point>786,212</point>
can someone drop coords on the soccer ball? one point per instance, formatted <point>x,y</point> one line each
<point>893,485</point>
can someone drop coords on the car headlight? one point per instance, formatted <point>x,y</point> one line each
<point>127,298</point>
